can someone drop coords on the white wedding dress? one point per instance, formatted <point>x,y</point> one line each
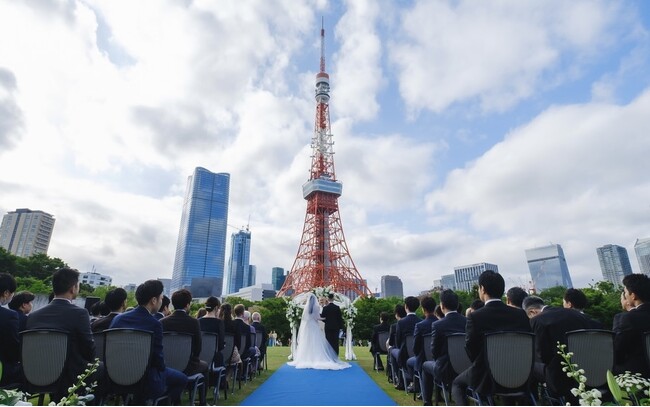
<point>312,349</point>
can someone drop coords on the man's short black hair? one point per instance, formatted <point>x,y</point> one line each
<point>115,299</point>
<point>477,304</point>
<point>492,282</point>
<point>516,296</point>
<point>330,296</point>
<point>384,316</point>
<point>449,299</point>
<point>165,303</point>
<point>64,279</point>
<point>638,284</point>
<point>181,298</point>
<point>428,304</point>
<point>148,290</point>
<point>411,303</point>
<point>7,283</point>
<point>577,298</point>
<point>19,299</point>
<point>400,311</point>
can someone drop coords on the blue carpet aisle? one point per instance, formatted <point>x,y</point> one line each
<point>308,387</point>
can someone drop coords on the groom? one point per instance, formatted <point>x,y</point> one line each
<point>333,322</point>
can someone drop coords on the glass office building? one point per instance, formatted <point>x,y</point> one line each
<point>201,247</point>
<point>614,263</point>
<point>548,267</point>
<point>239,271</point>
<point>642,250</point>
<point>391,286</point>
<point>277,277</point>
<point>467,276</point>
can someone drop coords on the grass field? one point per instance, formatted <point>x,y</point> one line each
<point>277,356</point>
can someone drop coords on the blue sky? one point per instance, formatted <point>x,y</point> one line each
<point>465,131</point>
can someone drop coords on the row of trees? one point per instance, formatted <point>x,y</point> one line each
<point>35,273</point>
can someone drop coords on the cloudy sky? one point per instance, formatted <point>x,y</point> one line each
<point>464,131</point>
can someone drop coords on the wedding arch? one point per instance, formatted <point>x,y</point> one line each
<point>296,304</point>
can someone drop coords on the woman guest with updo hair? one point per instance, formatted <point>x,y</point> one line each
<point>210,322</point>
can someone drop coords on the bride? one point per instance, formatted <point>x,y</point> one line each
<point>313,351</point>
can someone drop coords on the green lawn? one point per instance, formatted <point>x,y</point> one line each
<point>277,356</point>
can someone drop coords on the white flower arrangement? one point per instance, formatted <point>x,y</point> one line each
<point>349,314</point>
<point>293,313</point>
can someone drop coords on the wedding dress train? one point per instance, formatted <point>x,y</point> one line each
<point>313,351</point>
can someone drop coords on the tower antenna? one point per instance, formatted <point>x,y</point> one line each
<point>322,44</point>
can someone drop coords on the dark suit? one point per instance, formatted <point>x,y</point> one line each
<point>399,354</point>
<point>391,345</point>
<point>242,328</point>
<point>374,342</point>
<point>265,337</point>
<point>550,327</point>
<point>103,323</point>
<point>494,316</point>
<point>9,345</point>
<point>629,347</point>
<point>179,321</point>
<point>158,376</point>
<point>215,325</point>
<point>439,368</point>
<point>61,314</point>
<point>333,324</point>
<point>422,328</point>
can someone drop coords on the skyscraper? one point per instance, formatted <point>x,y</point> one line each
<point>25,232</point>
<point>201,247</point>
<point>391,286</point>
<point>277,277</point>
<point>252,275</point>
<point>642,250</point>
<point>548,267</point>
<point>614,263</point>
<point>467,276</point>
<point>239,262</point>
<point>448,281</point>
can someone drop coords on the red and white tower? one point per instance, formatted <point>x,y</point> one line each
<point>323,258</point>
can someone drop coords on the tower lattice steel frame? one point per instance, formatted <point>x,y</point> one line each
<point>323,257</point>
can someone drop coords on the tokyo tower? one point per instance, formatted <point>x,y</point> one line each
<point>323,258</point>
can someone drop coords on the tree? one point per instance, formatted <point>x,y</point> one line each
<point>39,266</point>
<point>273,312</point>
<point>7,262</point>
<point>32,285</point>
<point>237,300</point>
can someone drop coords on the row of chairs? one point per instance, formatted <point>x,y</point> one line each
<point>511,357</point>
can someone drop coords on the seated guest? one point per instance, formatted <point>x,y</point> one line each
<point>181,321</point>
<point>493,316</point>
<point>475,305</point>
<point>515,296</point>
<point>63,315</point>
<point>438,312</point>
<point>439,369</point>
<point>256,317</point>
<point>404,328</point>
<point>374,345</point>
<point>22,304</point>
<point>164,309</point>
<point>116,302</point>
<point>629,347</point>
<point>9,339</point>
<point>242,329</point>
<point>422,328</point>
<point>577,300</point>
<point>550,325</point>
<point>158,377</point>
<point>210,323</point>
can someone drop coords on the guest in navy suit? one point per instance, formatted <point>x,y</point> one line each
<point>245,349</point>
<point>64,315</point>
<point>629,347</point>
<point>374,342</point>
<point>400,313</point>
<point>163,311</point>
<point>405,327</point>
<point>439,369</point>
<point>22,304</point>
<point>422,328</point>
<point>9,340</point>
<point>116,302</point>
<point>494,316</point>
<point>159,377</point>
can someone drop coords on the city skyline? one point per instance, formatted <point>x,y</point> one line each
<point>464,132</point>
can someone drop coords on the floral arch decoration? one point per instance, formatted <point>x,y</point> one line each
<point>296,304</point>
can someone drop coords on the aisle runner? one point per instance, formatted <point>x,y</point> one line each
<point>308,387</point>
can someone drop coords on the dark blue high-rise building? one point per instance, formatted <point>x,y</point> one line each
<point>239,272</point>
<point>548,267</point>
<point>201,247</point>
<point>277,277</point>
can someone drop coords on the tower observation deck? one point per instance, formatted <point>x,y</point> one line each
<point>323,257</point>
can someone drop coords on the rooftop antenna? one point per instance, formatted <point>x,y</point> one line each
<point>322,44</point>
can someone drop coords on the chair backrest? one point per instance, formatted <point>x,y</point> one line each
<point>646,342</point>
<point>258,339</point>
<point>593,351</point>
<point>228,348</point>
<point>208,346</point>
<point>243,338</point>
<point>426,345</point>
<point>177,349</point>
<point>408,342</point>
<point>98,337</point>
<point>127,354</point>
<point>510,357</point>
<point>43,355</point>
<point>457,354</point>
<point>382,337</point>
